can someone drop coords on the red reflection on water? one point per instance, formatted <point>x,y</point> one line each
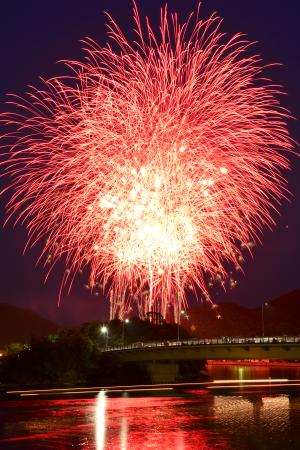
<point>158,423</point>
<point>125,423</point>
<point>243,371</point>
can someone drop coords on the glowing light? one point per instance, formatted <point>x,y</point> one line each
<point>223,170</point>
<point>150,165</point>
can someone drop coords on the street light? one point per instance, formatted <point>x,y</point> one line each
<point>263,318</point>
<point>104,330</point>
<point>182,312</point>
<point>123,330</point>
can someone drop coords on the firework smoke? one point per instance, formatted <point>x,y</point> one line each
<point>152,163</point>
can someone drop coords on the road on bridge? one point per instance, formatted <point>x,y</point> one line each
<point>273,348</point>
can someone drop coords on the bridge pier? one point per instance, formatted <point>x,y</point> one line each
<point>174,371</point>
<point>163,372</point>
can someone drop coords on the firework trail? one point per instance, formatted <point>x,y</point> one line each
<point>150,164</point>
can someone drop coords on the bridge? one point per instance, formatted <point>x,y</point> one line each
<point>165,360</point>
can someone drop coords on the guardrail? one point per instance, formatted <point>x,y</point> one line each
<point>217,341</point>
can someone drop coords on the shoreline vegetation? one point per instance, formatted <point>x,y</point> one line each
<point>73,356</point>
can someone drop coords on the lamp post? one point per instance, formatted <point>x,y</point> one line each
<point>178,323</point>
<point>263,318</point>
<point>104,330</point>
<point>126,321</point>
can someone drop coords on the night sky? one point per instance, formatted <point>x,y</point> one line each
<point>36,34</point>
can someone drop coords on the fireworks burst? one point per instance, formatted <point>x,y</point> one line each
<point>153,163</point>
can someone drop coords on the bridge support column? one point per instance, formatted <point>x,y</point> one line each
<point>163,372</point>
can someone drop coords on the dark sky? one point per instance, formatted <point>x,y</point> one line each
<point>36,34</point>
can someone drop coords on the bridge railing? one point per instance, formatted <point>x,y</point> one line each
<point>195,342</point>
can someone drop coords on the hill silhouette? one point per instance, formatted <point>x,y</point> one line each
<point>281,317</point>
<point>19,324</point>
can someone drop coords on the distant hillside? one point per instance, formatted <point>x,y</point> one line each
<point>18,324</point>
<point>281,316</point>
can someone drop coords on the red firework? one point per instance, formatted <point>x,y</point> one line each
<point>151,164</point>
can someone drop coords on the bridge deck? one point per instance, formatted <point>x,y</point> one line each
<point>273,348</point>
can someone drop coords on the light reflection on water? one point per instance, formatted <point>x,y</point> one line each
<point>100,420</point>
<point>124,427</point>
<point>239,420</point>
<point>242,372</point>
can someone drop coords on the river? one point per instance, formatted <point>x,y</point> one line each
<point>220,418</point>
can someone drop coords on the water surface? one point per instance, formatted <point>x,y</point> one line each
<point>203,419</point>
